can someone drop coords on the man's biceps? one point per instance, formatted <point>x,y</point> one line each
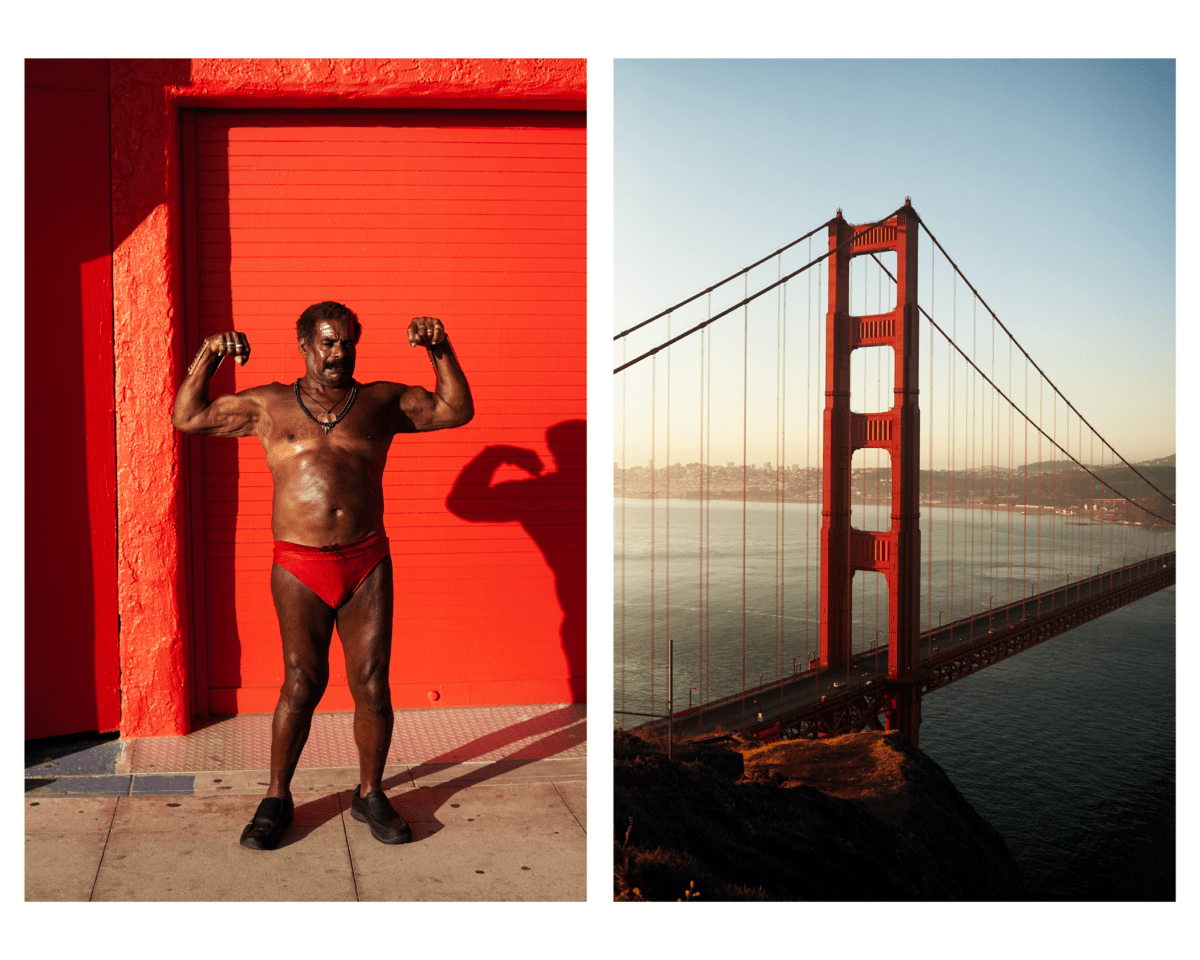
<point>232,410</point>
<point>243,403</point>
<point>417,400</point>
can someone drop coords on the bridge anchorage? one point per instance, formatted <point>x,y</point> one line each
<point>1014,547</point>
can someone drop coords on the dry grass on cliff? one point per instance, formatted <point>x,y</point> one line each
<point>800,820</point>
<point>869,769</point>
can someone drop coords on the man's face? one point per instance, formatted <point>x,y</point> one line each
<point>330,354</point>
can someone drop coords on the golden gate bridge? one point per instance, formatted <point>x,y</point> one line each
<point>968,510</point>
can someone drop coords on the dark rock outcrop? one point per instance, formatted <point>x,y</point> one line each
<point>860,817</point>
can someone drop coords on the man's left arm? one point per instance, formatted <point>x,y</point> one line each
<point>450,404</point>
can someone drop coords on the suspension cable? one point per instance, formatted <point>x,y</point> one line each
<point>721,283</point>
<point>1031,360</point>
<point>867,228</point>
<point>950,341</point>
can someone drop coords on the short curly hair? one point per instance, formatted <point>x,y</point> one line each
<point>306,326</point>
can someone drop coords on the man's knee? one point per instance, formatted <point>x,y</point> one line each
<point>303,689</point>
<point>373,692</point>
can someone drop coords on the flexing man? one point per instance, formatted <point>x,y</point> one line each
<point>327,438</point>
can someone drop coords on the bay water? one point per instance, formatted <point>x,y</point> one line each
<point>1068,749</point>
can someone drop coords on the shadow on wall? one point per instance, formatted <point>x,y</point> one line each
<point>221,461</point>
<point>71,666</point>
<point>552,507</point>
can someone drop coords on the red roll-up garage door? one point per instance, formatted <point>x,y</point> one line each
<point>479,219</point>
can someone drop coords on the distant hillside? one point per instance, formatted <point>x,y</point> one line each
<point>1058,483</point>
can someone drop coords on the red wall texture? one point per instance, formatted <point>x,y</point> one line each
<point>159,650</point>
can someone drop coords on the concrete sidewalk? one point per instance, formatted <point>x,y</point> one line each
<point>496,797</point>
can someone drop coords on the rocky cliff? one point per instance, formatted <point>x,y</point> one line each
<point>860,817</point>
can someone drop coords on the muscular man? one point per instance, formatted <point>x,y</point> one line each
<point>327,437</point>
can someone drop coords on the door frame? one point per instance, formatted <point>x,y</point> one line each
<point>190,459</point>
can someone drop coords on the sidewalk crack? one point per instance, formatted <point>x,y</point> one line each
<point>346,834</point>
<point>107,836</point>
<point>567,804</point>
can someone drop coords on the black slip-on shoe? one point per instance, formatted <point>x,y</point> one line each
<point>268,823</point>
<point>387,826</point>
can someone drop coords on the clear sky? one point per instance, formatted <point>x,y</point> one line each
<point>1051,183</point>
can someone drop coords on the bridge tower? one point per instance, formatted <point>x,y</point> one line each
<point>895,552</point>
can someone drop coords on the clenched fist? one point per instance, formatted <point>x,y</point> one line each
<point>425,332</point>
<point>232,344</point>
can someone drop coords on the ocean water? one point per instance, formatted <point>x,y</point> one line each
<point>1068,749</point>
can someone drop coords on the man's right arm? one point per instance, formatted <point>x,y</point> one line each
<point>233,415</point>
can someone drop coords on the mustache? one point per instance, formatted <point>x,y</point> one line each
<point>335,364</point>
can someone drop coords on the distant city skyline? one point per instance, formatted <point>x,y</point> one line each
<point>1050,183</point>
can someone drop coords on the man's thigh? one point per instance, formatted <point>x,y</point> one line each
<point>305,620</point>
<point>364,624</point>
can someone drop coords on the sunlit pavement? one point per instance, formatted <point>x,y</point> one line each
<point>496,797</point>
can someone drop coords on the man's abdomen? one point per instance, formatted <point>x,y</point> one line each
<point>318,502</point>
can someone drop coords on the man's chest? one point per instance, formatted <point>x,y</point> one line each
<point>360,421</point>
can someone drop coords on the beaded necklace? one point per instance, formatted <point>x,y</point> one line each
<point>326,425</point>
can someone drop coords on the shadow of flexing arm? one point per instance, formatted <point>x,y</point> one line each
<point>552,507</point>
<point>555,731</point>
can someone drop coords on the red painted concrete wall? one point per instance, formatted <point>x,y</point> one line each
<point>153,590</point>
<point>71,673</point>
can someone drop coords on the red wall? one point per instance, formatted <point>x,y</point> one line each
<point>71,673</point>
<point>477,217</point>
<point>104,289</point>
<point>154,597</point>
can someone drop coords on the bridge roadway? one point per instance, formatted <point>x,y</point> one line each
<point>805,691</point>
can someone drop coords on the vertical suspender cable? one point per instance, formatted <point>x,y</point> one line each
<point>1103,512</point>
<point>971,496</point>
<point>994,453</point>
<point>700,551</point>
<point>708,524</point>
<point>653,531</point>
<point>879,354</point>
<point>1041,580</point>
<point>969,455</point>
<point>1062,487</point>
<point>745,407</point>
<point>1082,496</point>
<point>862,580</point>
<point>1025,500</point>
<point>950,461</point>
<point>808,361</point>
<point>623,502</point>
<point>782,497</point>
<point>1104,531</point>
<point>778,426</point>
<point>1054,498</point>
<point>929,536</point>
<point>670,642</point>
